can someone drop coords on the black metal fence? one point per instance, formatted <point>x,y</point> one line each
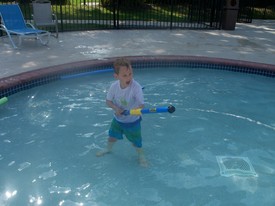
<point>246,9</point>
<point>138,14</point>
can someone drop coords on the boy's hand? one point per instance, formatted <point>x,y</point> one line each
<point>118,111</point>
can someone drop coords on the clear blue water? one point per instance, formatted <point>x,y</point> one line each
<point>50,134</point>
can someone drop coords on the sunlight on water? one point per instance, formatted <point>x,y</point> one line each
<point>50,134</point>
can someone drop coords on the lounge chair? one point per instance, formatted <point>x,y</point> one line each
<point>13,23</point>
<point>43,15</point>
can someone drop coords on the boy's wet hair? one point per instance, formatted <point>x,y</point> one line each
<point>121,62</point>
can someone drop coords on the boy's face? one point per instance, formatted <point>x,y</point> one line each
<point>125,76</point>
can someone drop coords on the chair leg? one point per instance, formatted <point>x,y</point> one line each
<point>40,36</point>
<point>11,40</point>
<point>56,29</point>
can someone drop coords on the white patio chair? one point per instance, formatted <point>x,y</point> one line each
<point>43,15</point>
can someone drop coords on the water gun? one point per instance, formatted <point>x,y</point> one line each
<point>169,109</point>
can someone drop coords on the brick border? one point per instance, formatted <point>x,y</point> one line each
<point>26,80</point>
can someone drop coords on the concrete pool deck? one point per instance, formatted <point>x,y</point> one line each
<point>254,42</point>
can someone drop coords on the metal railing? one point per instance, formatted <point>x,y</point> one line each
<point>136,14</point>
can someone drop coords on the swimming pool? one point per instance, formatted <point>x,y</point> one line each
<point>53,162</point>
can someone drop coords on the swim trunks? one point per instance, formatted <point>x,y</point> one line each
<point>132,131</point>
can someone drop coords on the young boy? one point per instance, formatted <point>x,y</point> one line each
<point>125,94</point>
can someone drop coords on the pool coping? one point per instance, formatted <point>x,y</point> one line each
<point>22,81</point>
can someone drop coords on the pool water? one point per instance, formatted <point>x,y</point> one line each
<point>50,134</point>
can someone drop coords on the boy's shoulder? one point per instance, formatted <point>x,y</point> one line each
<point>135,83</point>
<point>115,83</point>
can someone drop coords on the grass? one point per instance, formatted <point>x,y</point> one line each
<point>264,13</point>
<point>154,13</point>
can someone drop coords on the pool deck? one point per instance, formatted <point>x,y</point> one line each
<point>253,42</point>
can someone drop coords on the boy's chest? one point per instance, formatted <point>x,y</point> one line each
<point>124,97</point>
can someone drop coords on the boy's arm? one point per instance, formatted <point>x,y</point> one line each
<point>140,98</point>
<point>140,106</point>
<point>117,110</point>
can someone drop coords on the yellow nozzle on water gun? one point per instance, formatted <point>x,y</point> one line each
<point>135,112</point>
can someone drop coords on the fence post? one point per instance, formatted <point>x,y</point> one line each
<point>116,5</point>
<point>61,16</point>
<point>171,14</point>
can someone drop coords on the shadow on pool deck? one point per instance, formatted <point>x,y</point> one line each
<point>249,42</point>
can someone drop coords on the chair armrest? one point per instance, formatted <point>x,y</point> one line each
<point>30,25</point>
<point>54,17</point>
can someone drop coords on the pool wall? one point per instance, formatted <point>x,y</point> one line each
<point>16,83</point>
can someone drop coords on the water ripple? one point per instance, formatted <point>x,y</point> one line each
<point>59,190</point>
<point>233,115</point>
<point>47,175</point>
<point>23,166</point>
